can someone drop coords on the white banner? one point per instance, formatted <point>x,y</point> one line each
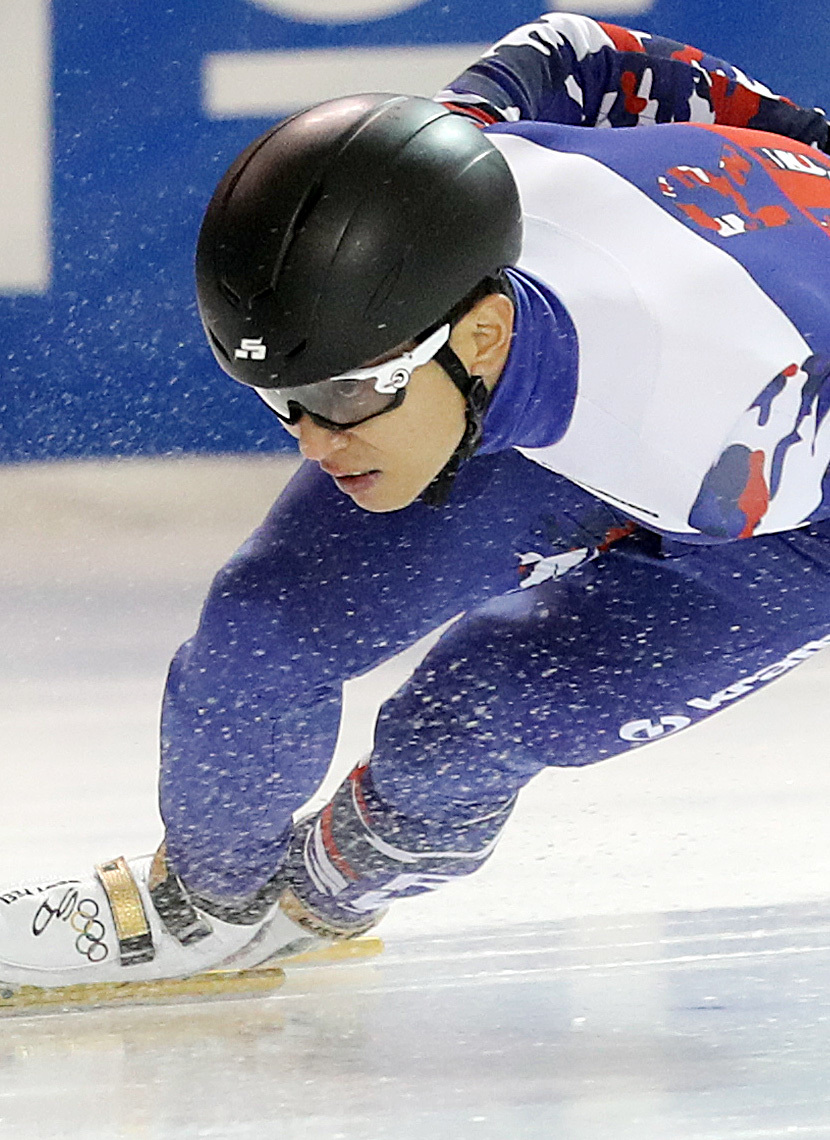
<point>26,146</point>
<point>272,83</point>
<point>602,9</point>
<point>336,11</point>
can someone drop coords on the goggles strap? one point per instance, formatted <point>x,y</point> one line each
<point>449,361</point>
<point>476,397</point>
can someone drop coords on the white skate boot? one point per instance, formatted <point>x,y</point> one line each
<point>132,922</point>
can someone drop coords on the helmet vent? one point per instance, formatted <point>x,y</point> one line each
<point>260,296</point>
<point>296,350</point>
<point>229,294</point>
<point>217,344</point>
<point>307,208</point>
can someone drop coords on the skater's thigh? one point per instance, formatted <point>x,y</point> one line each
<point>628,647</point>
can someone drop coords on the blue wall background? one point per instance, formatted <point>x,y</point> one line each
<point>111,360</point>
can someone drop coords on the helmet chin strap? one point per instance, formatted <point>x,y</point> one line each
<point>476,398</point>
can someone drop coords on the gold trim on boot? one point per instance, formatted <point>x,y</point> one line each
<point>135,940</point>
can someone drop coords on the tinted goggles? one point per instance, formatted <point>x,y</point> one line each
<point>347,400</point>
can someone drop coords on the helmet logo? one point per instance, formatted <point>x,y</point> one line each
<point>391,384</point>
<point>251,350</point>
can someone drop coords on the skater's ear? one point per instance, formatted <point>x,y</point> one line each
<point>482,337</point>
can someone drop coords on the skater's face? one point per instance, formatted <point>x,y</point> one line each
<point>386,462</point>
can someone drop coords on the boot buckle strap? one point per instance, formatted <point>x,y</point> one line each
<point>132,929</point>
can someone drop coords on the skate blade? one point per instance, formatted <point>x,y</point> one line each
<point>346,950</point>
<point>212,984</point>
<point>259,981</point>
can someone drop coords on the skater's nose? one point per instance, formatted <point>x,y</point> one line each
<point>317,442</point>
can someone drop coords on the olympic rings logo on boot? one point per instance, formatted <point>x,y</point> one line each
<point>96,950</point>
<point>82,916</point>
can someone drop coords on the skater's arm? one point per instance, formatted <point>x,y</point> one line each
<point>322,593</point>
<point>573,70</point>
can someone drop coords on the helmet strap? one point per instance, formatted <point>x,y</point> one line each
<point>476,398</point>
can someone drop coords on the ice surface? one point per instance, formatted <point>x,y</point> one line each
<point>663,1027</point>
<point>672,983</point>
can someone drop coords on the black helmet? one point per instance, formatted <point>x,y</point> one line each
<point>347,230</point>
